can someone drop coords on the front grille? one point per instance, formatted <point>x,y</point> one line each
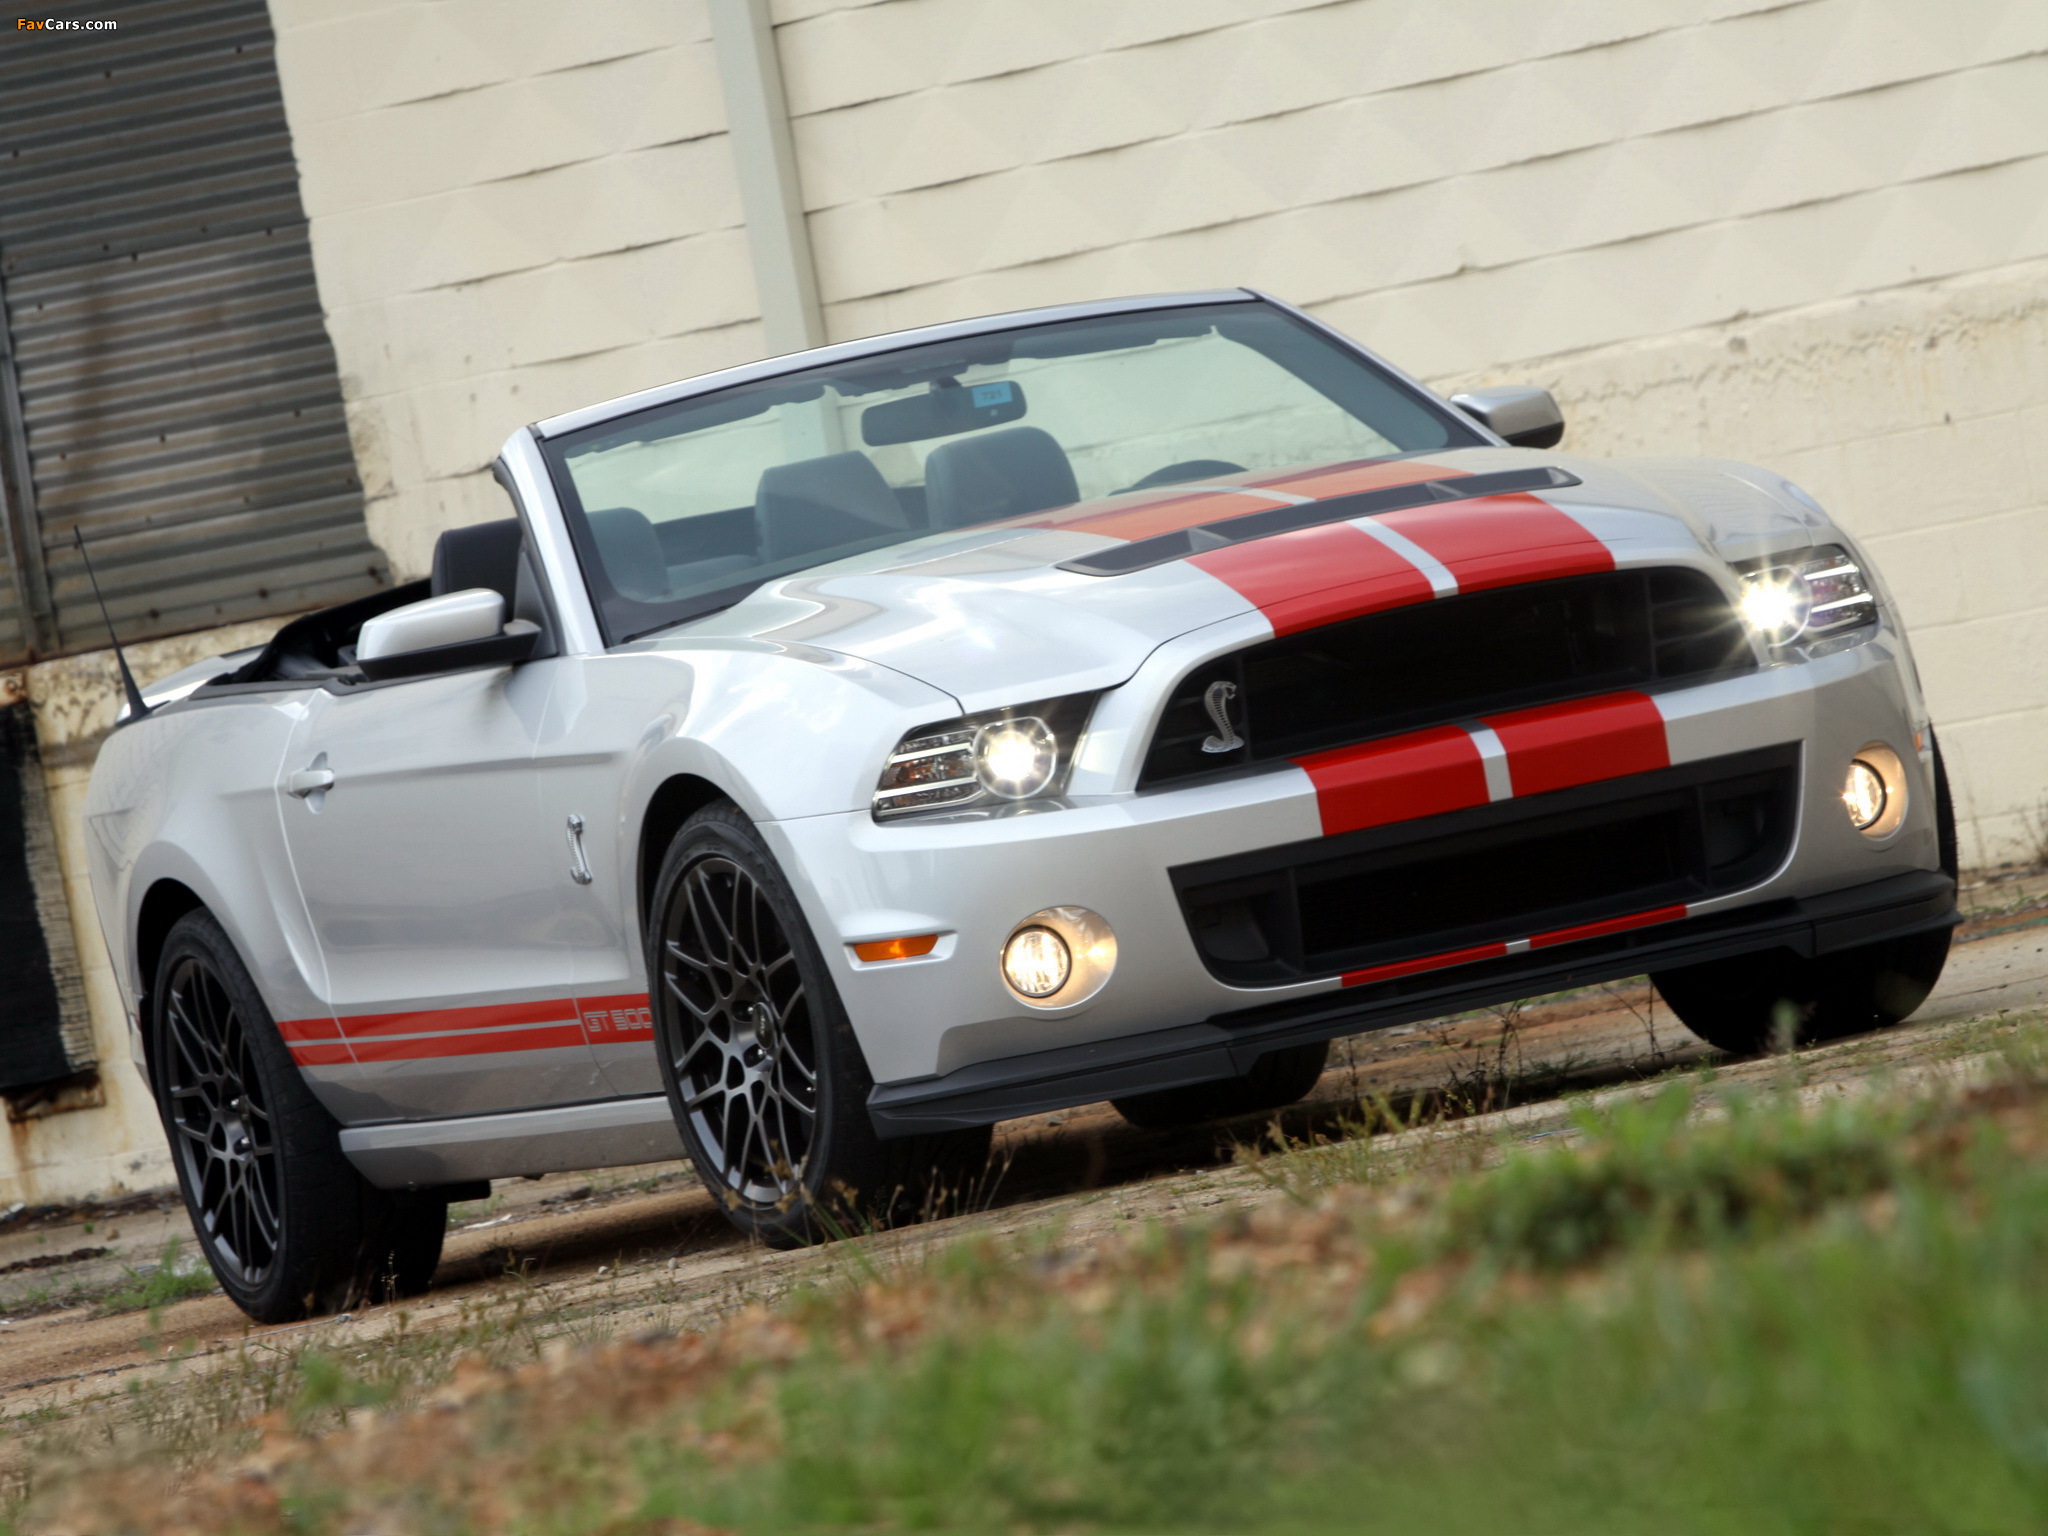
<point>1437,662</point>
<point>1493,873</point>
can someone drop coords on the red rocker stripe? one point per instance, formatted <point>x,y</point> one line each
<point>469,1031</point>
<point>553,1037</point>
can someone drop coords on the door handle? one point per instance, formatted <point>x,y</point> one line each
<point>309,781</point>
<point>579,866</point>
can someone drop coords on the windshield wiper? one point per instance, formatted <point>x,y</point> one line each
<point>1142,554</point>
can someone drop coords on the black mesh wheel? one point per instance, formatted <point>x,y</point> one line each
<point>288,1226</point>
<point>764,1075</point>
<point>219,1120</point>
<point>745,1058</point>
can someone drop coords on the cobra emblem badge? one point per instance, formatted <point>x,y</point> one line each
<point>1216,699</point>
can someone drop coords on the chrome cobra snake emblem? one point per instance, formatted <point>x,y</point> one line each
<point>1216,699</point>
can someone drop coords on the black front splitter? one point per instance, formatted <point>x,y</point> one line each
<point>1229,1043</point>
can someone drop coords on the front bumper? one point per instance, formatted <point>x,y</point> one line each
<point>949,1045</point>
<point>1230,1043</point>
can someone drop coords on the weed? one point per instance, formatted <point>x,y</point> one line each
<point>156,1286</point>
<point>1647,1174</point>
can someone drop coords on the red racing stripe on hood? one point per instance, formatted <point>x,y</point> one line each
<point>1316,576</point>
<point>1502,541</point>
<point>1190,509</point>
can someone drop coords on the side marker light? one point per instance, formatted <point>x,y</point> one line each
<point>897,949</point>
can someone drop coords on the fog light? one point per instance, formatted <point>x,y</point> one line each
<point>1864,794</point>
<point>1037,962</point>
<point>1058,957</point>
<point>1874,791</point>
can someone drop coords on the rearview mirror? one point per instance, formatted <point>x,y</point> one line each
<point>1523,414</point>
<point>946,410</point>
<point>452,633</point>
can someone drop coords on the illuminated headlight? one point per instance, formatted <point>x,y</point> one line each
<point>984,762</point>
<point>1812,594</point>
<point>1015,759</point>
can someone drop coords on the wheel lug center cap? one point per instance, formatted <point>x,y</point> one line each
<point>758,1018</point>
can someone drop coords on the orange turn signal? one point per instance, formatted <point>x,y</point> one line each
<point>898,949</point>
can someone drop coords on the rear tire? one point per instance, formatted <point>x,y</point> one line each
<point>1277,1079</point>
<point>1754,1003</point>
<point>287,1225</point>
<point>766,1080</point>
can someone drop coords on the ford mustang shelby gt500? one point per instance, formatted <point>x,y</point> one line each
<point>834,756</point>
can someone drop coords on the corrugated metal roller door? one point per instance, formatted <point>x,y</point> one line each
<point>174,390</point>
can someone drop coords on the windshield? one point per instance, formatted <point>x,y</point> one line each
<point>683,509</point>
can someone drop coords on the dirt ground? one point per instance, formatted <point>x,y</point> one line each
<point>629,1249</point>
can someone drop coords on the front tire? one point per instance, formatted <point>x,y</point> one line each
<point>764,1075</point>
<point>287,1225</point>
<point>1277,1079</point>
<point>1777,999</point>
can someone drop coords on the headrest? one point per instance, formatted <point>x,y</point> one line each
<point>1005,474</point>
<point>631,551</point>
<point>818,503</point>
<point>481,555</point>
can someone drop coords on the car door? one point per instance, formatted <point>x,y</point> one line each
<point>412,816</point>
<point>581,760</point>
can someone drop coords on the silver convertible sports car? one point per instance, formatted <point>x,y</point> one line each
<point>826,759</point>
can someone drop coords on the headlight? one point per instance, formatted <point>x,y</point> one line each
<point>985,761</point>
<point>1812,593</point>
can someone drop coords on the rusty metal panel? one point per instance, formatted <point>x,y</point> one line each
<point>45,1027</point>
<point>168,385</point>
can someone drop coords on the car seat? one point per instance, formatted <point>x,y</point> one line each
<point>821,503</point>
<point>630,551</point>
<point>1004,474</point>
<point>480,555</point>
<point>493,555</point>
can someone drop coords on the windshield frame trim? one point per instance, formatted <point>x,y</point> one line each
<point>872,346</point>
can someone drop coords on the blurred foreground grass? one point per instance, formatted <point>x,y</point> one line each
<point>1752,1315</point>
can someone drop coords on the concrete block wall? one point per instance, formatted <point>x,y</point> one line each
<point>515,208</point>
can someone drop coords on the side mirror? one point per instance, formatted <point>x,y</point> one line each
<point>444,634</point>
<point>1521,413</point>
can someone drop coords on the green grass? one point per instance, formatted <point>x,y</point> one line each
<point>1744,1317</point>
<point>156,1286</point>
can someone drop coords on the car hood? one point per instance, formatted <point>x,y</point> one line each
<point>989,615</point>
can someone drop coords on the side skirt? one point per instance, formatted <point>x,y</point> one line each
<point>425,1154</point>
